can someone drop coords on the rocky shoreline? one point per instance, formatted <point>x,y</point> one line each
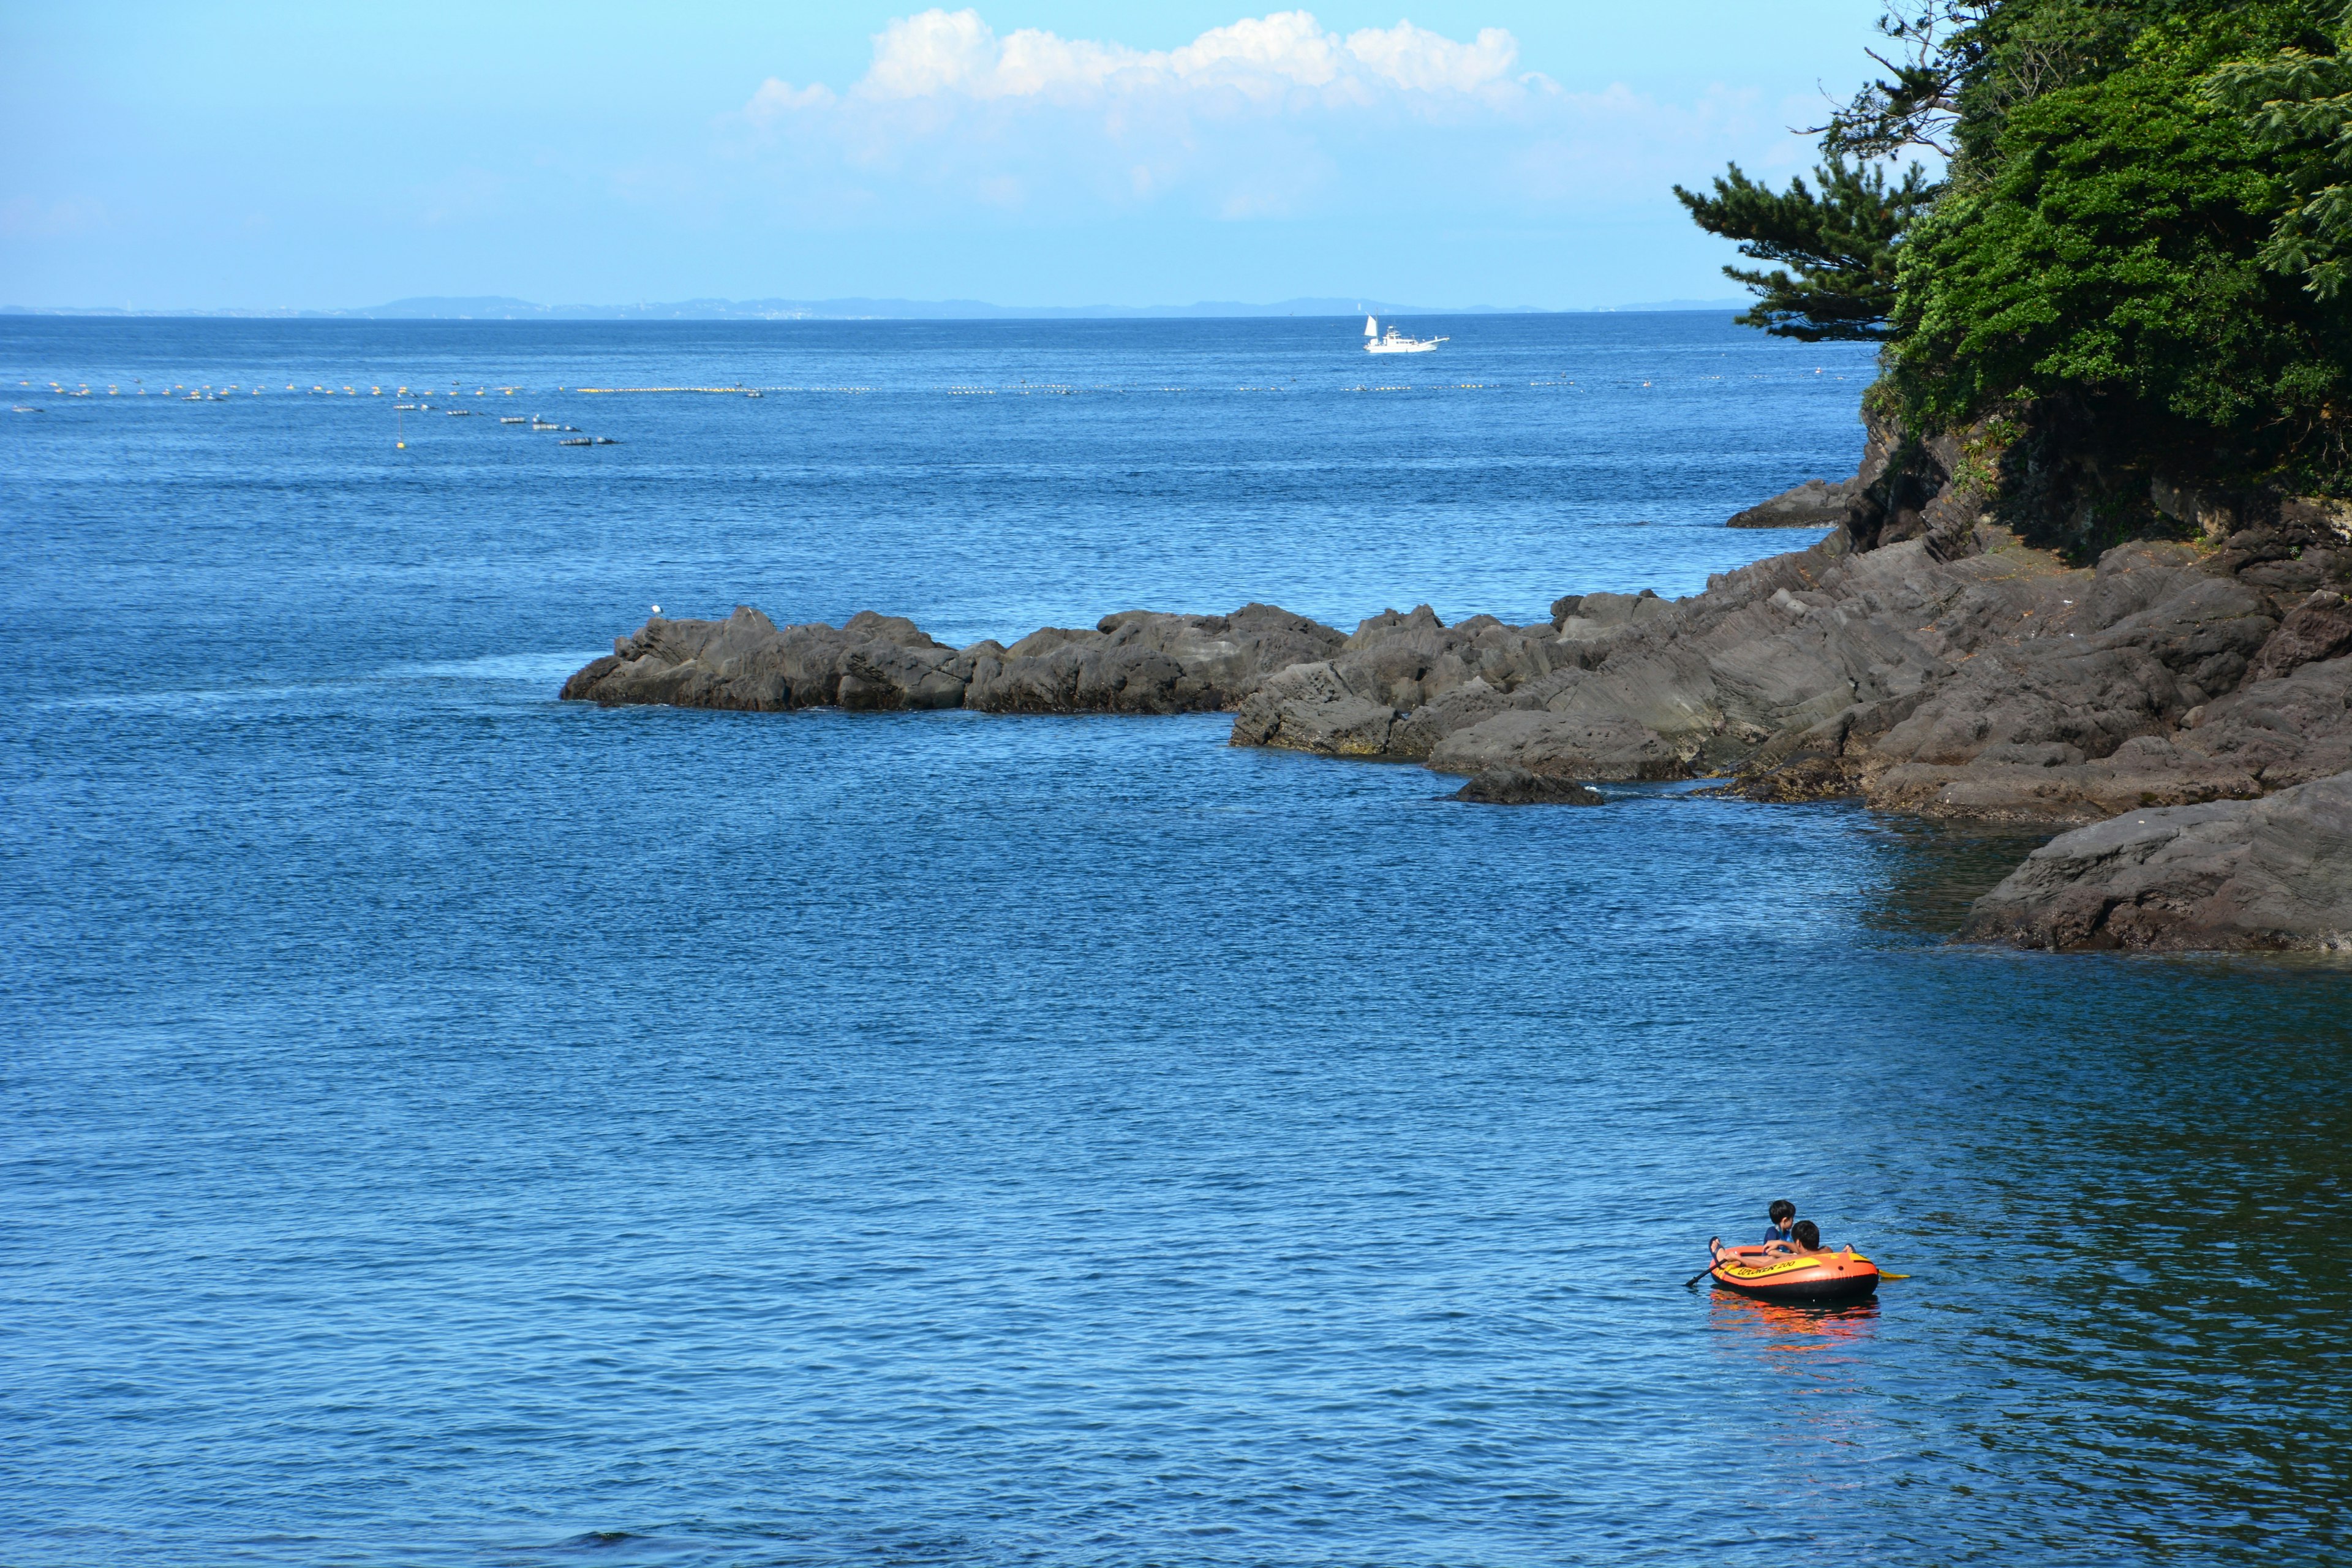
<point>1925,659</point>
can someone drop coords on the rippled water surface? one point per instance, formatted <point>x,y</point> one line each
<point>443,1125</point>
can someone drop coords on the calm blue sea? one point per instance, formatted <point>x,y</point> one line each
<point>440,1125</point>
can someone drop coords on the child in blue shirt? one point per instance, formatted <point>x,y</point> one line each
<point>1780,1213</point>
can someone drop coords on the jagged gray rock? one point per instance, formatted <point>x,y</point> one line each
<point>1517,787</point>
<point>746,661</point>
<point>1999,684</point>
<point>1816,503</point>
<point>2273,873</point>
<point>1919,656</point>
<point>1137,661</point>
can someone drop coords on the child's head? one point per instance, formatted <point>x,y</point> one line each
<point>1783,1211</point>
<point>1807,1234</point>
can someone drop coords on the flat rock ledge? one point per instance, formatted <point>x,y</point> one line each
<point>2244,874</point>
<point>1517,787</point>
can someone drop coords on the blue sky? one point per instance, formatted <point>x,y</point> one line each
<point>1485,152</point>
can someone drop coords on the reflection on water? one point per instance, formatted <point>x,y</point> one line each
<point>1786,1330</point>
<point>1808,1352</point>
<point>1929,872</point>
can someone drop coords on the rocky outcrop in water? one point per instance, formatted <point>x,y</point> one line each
<point>1920,657</point>
<point>2271,873</point>
<point>1997,684</point>
<point>2001,685</point>
<point>1816,503</point>
<point>1517,787</point>
<point>1134,662</point>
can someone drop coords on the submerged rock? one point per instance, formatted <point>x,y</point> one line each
<point>1517,787</point>
<point>2272,873</point>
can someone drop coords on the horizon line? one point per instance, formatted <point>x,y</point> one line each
<point>434,307</point>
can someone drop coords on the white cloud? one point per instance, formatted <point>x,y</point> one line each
<point>1421,62</point>
<point>1267,117</point>
<point>777,98</point>
<point>1283,59</point>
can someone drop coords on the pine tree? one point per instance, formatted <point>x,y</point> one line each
<point>1840,242</point>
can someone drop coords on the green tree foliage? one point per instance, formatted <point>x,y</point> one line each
<point>2111,237</point>
<point>2298,107</point>
<point>2144,225</point>
<point>2106,253</point>
<point>1840,242</point>
<point>1916,102</point>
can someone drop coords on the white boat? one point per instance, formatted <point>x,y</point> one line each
<point>1395,342</point>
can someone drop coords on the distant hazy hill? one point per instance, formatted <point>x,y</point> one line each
<point>500,308</point>
<point>1685,305</point>
<point>878,310</point>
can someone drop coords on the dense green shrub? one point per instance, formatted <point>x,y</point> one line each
<point>2142,237</point>
<point>2111,251</point>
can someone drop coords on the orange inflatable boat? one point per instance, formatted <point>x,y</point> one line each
<point>1843,1275</point>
